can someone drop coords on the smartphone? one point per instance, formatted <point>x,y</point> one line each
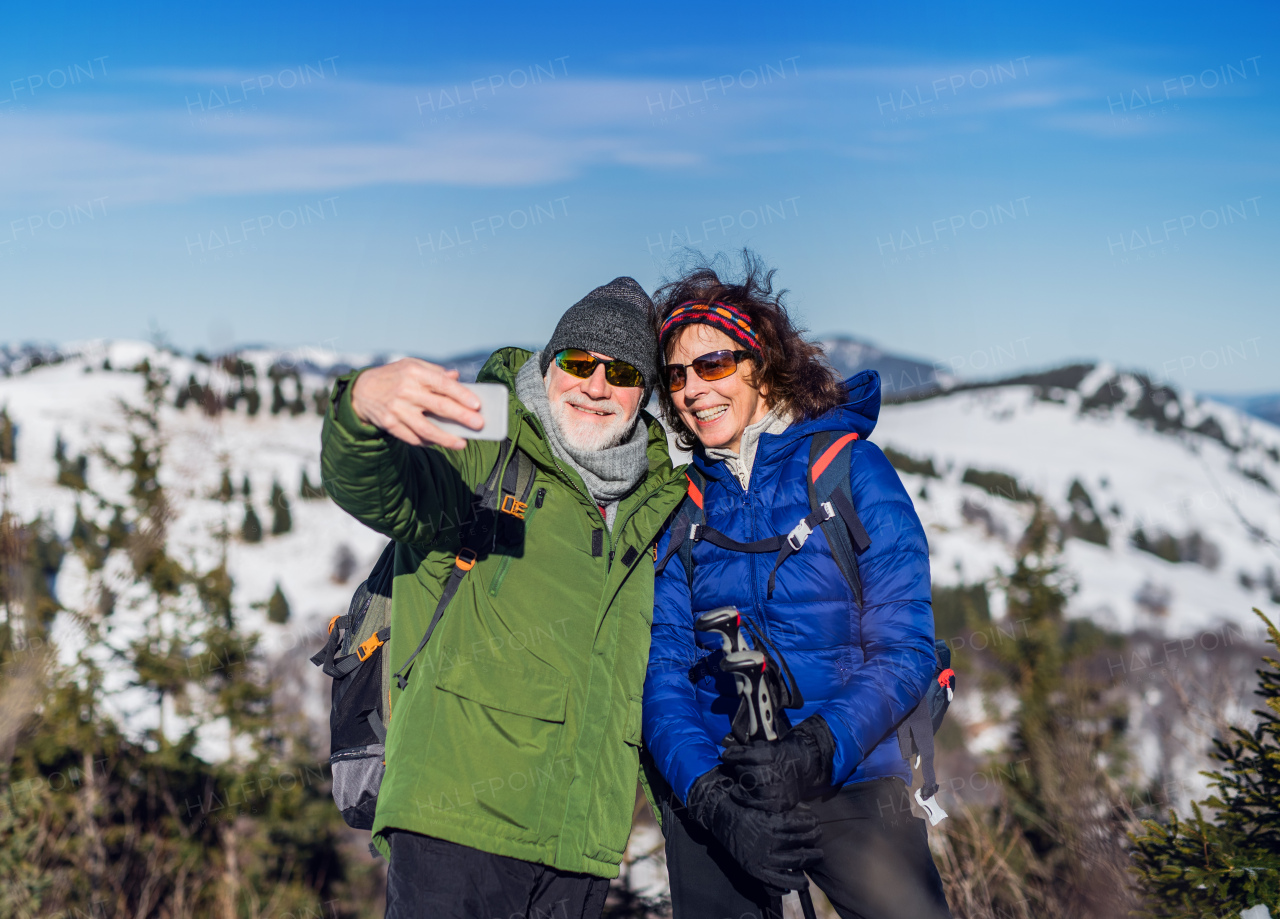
<point>493,409</point>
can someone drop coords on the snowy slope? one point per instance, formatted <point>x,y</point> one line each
<point>1148,458</point>
<point>77,400</point>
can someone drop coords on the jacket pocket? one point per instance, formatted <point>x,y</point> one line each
<point>495,752</point>
<point>509,686</point>
<point>614,793</point>
<point>635,723</point>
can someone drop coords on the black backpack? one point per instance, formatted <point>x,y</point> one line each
<point>831,507</point>
<point>355,655</point>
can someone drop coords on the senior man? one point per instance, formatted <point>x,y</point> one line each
<point>512,749</point>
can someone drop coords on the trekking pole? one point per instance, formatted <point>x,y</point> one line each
<point>725,622</point>
<point>759,686</point>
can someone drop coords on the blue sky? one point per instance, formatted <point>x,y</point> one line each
<point>992,187</point>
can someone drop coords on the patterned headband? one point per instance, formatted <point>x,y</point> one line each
<point>728,319</point>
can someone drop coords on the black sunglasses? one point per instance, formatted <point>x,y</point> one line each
<point>582,364</point>
<point>715,365</point>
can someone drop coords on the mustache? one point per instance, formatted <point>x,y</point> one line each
<point>596,405</point>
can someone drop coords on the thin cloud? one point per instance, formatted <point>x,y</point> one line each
<point>167,135</point>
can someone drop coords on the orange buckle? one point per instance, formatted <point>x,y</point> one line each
<point>466,559</point>
<point>366,649</point>
<point>944,678</point>
<point>332,621</point>
<point>513,507</point>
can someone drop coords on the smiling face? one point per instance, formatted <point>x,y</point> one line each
<point>717,411</point>
<point>591,414</point>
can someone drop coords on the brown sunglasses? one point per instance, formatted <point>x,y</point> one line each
<point>715,365</point>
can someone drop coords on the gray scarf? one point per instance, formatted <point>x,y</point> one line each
<point>609,474</point>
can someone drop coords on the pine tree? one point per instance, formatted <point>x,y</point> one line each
<point>117,530</point>
<point>8,437</point>
<point>89,540</point>
<point>187,393</point>
<point>253,400</point>
<point>298,405</point>
<point>1059,814</point>
<point>251,529</point>
<point>281,519</point>
<point>245,488</point>
<point>225,490</point>
<point>308,491</point>
<point>278,606</point>
<point>96,822</point>
<point>278,402</point>
<point>1226,857</point>
<point>74,473</point>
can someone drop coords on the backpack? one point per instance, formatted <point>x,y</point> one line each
<point>831,508</point>
<point>355,654</point>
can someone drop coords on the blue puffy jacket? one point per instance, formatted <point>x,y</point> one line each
<point>863,669</point>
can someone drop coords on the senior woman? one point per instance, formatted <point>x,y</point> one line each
<point>747,394</point>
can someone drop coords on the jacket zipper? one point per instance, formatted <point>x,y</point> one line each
<point>500,573</point>
<point>618,523</point>
<point>757,607</point>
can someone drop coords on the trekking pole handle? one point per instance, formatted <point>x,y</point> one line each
<point>725,622</point>
<point>749,669</point>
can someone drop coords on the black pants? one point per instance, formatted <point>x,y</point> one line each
<point>429,878</point>
<point>876,862</point>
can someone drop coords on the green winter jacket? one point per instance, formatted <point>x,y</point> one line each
<point>519,730</point>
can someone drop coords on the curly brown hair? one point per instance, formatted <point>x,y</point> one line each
<point>794,371</point>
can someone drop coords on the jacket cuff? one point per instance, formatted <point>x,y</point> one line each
<point>705,795</point>
<point>846,753</point>
<point>817,735</point>
<point>344,416</point>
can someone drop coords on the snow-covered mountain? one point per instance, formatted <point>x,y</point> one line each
<point>900,377</point>
<point>1265,406</point>
<point>1170,501</point>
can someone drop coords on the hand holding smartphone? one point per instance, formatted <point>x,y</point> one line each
<point>493,408</point>
<point>423,404</point>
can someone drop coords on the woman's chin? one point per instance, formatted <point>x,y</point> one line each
<point>714,436</point>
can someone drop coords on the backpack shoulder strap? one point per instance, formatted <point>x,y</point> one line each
<point>915,733</point>
<point>830,459</point>
<point>337,658</point>
<point>689,515</point>
<point>489,500</point>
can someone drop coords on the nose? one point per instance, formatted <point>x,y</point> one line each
<point>694,386</point>
<point>597,387</point>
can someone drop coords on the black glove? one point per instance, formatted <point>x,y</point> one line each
<point>776,848</point>
<point>776,776</point>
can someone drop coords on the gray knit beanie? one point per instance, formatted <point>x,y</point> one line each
<point>616,319</point>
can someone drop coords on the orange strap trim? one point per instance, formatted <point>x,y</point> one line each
<point>466,559</point>
<point>944,678</point>
<point>825,460</point>
<point>513,507</point>
<point>332,621</point>
<point>694,493</point>
<point>368,647</point>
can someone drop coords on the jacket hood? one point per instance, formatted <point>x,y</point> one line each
<point>502,367</point>
<point>859,414</point>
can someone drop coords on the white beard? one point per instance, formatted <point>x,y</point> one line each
<point>588,435</point>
